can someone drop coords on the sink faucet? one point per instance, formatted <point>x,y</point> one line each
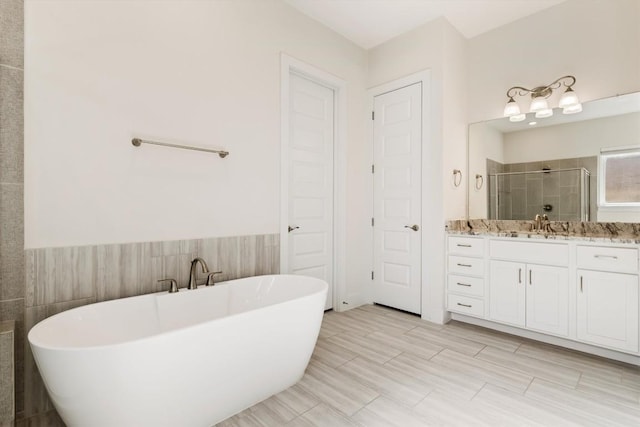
<point>192,273</point>
<point>537,225</point>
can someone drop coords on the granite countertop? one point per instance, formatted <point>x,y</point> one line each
<point>606,232</point>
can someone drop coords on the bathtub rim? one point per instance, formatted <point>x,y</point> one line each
<point>136,341</point>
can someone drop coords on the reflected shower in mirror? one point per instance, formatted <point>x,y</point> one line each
<point>551,166</point>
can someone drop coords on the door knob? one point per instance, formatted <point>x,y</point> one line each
<point>292,228</point>
<point>414,227</point>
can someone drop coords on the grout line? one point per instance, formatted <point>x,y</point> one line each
<point>524,393</point>
<point>11,67</point>
<point>477,392</point>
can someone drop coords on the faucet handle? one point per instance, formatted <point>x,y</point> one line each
<point>174,285</point>
<point>210,275</point>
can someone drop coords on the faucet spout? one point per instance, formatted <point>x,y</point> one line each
<point>193,273</point>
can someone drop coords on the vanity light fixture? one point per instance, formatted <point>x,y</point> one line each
<point>569,101</point>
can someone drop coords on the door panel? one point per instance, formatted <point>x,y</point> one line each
<point>310,213</point>
<point>608,309</point>
<point>548,299</point>
<point>507,292</point>
<point>397,146</point>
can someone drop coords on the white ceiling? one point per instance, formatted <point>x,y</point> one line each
<point>369,23</point>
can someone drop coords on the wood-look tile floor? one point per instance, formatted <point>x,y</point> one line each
<point>375,366</point>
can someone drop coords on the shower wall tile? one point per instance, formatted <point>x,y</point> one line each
<point>117,271</point>
<point>7,371</point>
<point>60,274</point>
<point>12,34</point>
<point>247,256</point>
<point>151,270</point>
<point>11,125</point>
<point>11,241</point>
<point>14,310</point>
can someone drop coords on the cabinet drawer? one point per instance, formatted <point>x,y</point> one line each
<point>466,305</point>
<point>473,286</point>
<point>608,259</point>
<point>465,265</point>
<point>530,252</point>
<point>467,246</point>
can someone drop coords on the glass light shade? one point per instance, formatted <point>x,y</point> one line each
<point>538,104</point>
<point>541,114</point>
<point>568,99</point>
<point>517,118</point>
<point>511,109</point>
<point>572,109</point>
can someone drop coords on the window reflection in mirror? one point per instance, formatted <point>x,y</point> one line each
<point>552,167</point>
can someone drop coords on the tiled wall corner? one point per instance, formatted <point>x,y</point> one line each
<point>12,289</point>
<point>7,371</point>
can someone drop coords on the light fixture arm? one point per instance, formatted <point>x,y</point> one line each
<point>544,91</point>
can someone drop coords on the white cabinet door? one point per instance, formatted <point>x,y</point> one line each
<point>507,292</point>
<point>608,309</point>
<point>548,299</point>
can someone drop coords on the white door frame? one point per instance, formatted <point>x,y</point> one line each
<point>291,65</point>
<point>430,186</point>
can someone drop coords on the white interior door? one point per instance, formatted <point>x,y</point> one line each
<point>397,148</point>
<point>310,212</point>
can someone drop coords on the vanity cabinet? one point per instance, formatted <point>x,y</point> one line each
<point>465,278</point>
<point>607,298</point>
<point>583,295</point>
<point>531,296</point>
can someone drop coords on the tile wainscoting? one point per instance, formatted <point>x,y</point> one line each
<point>58,279</point>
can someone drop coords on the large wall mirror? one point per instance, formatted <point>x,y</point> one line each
<point>577,167</point>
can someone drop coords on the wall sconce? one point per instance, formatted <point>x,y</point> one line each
<point>569,101</point>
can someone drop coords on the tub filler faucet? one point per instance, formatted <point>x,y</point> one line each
<point>192,273</point>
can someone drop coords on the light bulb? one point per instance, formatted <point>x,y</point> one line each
<point>573,109</point>
<point>568,99</point>
<point>512,108</point>
<point>541,114</point>
<point>517,118</point>
<point>538,104</point>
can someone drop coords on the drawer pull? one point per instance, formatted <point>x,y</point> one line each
<point>464,305</point>
<point>463,246</point>
<point>606,256</point>
<point>463,284</point>
<point>464,265</point>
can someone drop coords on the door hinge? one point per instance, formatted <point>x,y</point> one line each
<point>373,168</point>
<point>372,275</point>
<point>372,222</point>
<point>373,115</point>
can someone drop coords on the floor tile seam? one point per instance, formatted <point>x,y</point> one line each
<point>532,374</point>
<point>323,401</point>
<point>409,410</point>
<point>343,386</point>
<point>351,350</point>
<point>480,377</point>
<point>607,404</point>
<point>293,411</point>
<point>612,398</point>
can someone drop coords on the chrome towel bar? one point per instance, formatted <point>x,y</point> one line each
<point>138,142</point>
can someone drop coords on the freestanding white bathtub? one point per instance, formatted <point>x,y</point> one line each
<point>191,358</point>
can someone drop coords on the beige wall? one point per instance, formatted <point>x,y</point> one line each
<point>438,47</point>
<point>597,41</point>
<point>207,73</point>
